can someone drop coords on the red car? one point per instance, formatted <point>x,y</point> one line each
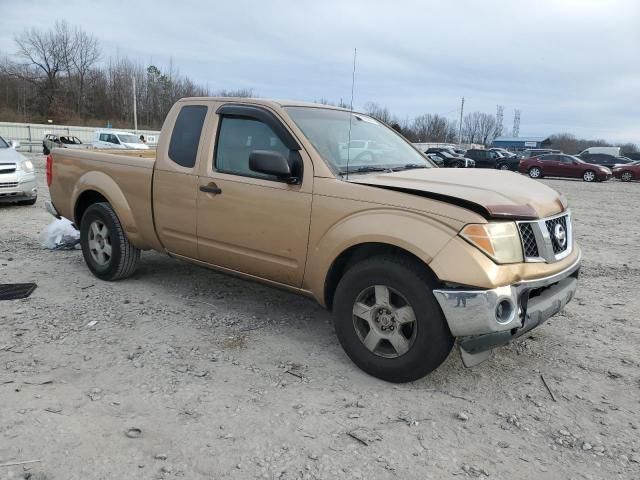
<point>627,172</point>
<point>561,165</point>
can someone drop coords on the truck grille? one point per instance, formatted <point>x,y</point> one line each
<point>529,244</point>
<point>551,226</point>
<point>547,240</point>
<point>8,184</point>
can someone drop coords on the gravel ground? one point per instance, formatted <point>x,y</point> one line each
<point>230,379</point>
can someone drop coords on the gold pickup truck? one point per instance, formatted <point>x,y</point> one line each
<point>337,206</point>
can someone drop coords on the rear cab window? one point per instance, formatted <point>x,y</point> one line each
<point>185,137</point>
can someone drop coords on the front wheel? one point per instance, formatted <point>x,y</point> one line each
<point>105,247</point>
<point>388,321</point>
<point>589,176</point>
<point>45,150</point>
<point>535,172</point>
<point>626,176</point>
<point>504,166</point>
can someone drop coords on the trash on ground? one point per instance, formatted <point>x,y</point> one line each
<point>16,291</point>
<point>60,235</point>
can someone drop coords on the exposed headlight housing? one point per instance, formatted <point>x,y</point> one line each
<point>500,241</point>
<point>27,166</point>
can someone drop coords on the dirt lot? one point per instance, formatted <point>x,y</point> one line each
<point>231,379</point>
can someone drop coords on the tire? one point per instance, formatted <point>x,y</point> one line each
<point>457,165</point>
<point>427,339</point>
<point>626,176</point>
<point>108,253</point>
<point>503,166</point>
<point>28,202</point>
<point>589,176</point>
<point>45,150</point>
<point>535,172</point>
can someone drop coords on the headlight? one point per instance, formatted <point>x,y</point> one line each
<point>27,166</point>
<point>499,240</point>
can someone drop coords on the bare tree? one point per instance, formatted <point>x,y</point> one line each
<point>81,54</point>
<point>378,112</point>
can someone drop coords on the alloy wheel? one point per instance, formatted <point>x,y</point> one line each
<point>626,177</point>
<point>100,243</point>
<point>534,172</point>
<point>589,176</point>
<point>384,321</point>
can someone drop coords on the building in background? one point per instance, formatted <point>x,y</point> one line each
<point>521,143</point>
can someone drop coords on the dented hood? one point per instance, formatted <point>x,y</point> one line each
<point>492,193</point>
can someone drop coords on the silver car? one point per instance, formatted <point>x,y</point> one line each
<point>17,178</point>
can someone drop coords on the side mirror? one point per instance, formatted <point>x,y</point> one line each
<point>14,144</point>
<point>273,163</point>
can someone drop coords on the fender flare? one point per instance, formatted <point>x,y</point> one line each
<point>107,187</point>
<point>382,226</point>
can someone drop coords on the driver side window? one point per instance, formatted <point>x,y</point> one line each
<point>237,138</point>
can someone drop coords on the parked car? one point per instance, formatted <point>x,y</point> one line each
<point>613,151</point>
<point>561,165</point>
<point>503,152</point>
<point>451,160</point>
<point>491,159</point>
<point>536,152</point>
<point>435,159</point>
<point>52,141</point>
<point>114,139</point>
<point>360,150</point>
<point>627,172</point>
<point>604,159</point>
<point>408,257</point>
<point>17,179</point>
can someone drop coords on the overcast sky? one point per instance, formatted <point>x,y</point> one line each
<point>567,65</point>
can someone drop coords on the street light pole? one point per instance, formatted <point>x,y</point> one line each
<point>135,107</point>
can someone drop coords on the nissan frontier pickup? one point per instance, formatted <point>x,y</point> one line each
<point>410,258</point>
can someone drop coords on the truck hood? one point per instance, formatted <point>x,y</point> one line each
<point>491,193</point>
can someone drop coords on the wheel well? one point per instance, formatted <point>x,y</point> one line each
<point>85,200</point>
<point>360,252</point>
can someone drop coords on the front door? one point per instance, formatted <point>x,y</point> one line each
<point>247,221</point>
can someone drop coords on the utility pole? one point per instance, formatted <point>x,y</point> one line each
<point>135,107</point>
<point>460,126</point>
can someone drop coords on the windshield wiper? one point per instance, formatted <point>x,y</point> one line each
<point>408,166</point>
<point>366,168</point>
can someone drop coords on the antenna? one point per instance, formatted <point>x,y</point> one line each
<point>353,82</point>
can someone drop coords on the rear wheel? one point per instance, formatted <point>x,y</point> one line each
<point>503,166</point>
<point>388,321</point>
<point>626,176</point>
<point>456,164</point>
<point>535,172</point>
<point>589,176</point>
<point>105,247</point>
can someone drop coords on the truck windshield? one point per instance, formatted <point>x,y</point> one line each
<point>373,146</point>
<point>128,138</point>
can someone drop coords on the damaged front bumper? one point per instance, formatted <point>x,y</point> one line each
<point>485,319</point>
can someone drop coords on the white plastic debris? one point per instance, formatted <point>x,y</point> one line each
<point>60,235</point>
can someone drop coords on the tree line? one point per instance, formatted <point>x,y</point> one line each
<point>61,75</point>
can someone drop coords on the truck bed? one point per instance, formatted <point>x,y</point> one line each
<point>125,175</point>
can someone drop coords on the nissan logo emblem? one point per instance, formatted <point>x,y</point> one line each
<point>560,235</point>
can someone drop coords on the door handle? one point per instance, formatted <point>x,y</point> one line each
<point>210,189</point>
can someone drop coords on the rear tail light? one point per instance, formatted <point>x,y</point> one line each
<point>49,170</point>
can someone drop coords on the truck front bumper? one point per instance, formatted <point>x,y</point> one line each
<point>485,319</point>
